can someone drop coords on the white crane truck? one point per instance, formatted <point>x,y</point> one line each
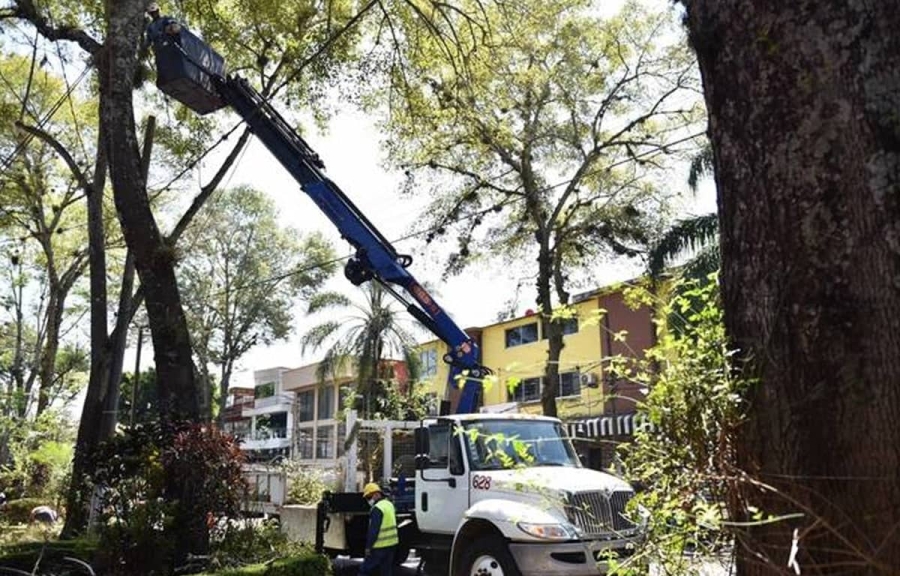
<point>498,495</point>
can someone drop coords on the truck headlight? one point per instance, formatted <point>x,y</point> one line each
<point>548,531</point>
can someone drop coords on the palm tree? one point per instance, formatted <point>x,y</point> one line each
<point>365,335</point>
<point>698,234</point>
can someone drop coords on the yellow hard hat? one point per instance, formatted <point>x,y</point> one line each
<point>370,489</point>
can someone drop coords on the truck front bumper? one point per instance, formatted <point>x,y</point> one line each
<point>566,558</point>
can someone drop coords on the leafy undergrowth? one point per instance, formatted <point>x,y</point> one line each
<point>50,557</point>
<point>306,564</point>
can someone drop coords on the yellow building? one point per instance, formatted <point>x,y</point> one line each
<point>516,350</point>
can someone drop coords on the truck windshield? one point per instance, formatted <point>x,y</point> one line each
<point>500,444</point>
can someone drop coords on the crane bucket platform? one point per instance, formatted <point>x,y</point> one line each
<point>184,68</point>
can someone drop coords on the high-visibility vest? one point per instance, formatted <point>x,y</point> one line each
<point>387,536</point>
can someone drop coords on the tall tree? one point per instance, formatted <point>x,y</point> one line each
<point>364,337</point>
<point>554,119</point>
<point>241,276</point>
<point>42,204</point>
<point>802,99</point>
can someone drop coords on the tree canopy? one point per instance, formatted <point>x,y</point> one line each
<point>545,140</point>
<point>242,274</point>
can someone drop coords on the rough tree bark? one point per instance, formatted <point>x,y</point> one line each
<point>154,258</point>
<point>803,101</point>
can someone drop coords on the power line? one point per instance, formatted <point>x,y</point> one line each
<point>43,121</point>
<point>438,227</point>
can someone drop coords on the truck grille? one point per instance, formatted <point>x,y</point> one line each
<point>600,513</point>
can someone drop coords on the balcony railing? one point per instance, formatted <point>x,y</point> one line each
<point>269,434</point>
<point>272,401</point>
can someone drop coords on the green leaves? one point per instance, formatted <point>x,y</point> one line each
<point>695,403</point>
<point>243,273</point>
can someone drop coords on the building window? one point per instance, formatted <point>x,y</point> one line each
<point>324,442</point>
<point>428,363</point>
<point>266,390</point>
<point>569,384</point>
<point>305,444</point>
<point>522,335</point>
<point>326,402</point>
<point>305,406</point>
<point>528,390</point>
<point>569,326</point>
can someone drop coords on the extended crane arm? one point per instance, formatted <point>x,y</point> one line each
<point>191,72</point>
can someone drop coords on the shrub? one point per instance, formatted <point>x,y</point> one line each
<point>19,511</point>
<point>694,402</point>
<point>302,562</point>
<point>246,542</point>
<point>163,489</point>
<point>304,485</point>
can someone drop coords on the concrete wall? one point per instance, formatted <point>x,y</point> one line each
<point>299,523</point>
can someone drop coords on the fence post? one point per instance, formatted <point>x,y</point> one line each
<point>388,453</point>
<point>350,472</point>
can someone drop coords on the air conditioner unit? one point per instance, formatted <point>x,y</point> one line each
<point>589,380</point>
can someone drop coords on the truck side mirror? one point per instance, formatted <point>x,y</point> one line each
<point>422,447</point>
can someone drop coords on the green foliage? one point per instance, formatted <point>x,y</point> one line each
<point>304,485</point>
<point>19,511</point>
<point>39,457</point>
<point>695,402</point>
<point>145,398</point>
<point>363,339</point>
<point>246,542</point>
<point>544,142</point>
<point>140,520</point>
<point>242,275</point>
<point>301,562</point>
<point>697,235</point>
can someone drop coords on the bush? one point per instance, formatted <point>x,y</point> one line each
<point>695,402</point>
<point>19,511</point>
<point>163,489</point>
<point>246,542</point>
<point>303,562</point>
<point>304,485</point>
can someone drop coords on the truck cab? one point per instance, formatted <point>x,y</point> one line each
<point>512,494</point>
<point>495,495</point>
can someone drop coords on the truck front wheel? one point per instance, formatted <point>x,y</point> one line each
<point>488,556</point>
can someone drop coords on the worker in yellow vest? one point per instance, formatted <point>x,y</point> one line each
<point>382,540</point>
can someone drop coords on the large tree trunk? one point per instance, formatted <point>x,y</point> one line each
<point>154,258</point>
<point>803,102</point>
<point>554,333</point>
<point>88,432</point>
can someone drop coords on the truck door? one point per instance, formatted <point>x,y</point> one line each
<point>442,487</point>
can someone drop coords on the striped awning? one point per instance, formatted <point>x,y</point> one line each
<point>619,425</point>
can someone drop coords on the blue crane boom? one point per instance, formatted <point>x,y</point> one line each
<point>190,71</point>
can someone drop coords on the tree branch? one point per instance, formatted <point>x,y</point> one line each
<point>85,184</point>
<point>26,10</point>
